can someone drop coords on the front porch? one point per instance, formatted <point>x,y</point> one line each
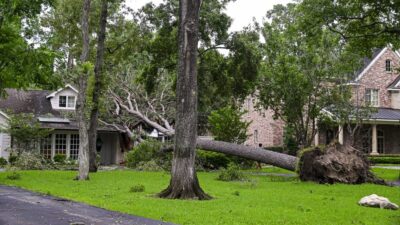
<point>373,138</point>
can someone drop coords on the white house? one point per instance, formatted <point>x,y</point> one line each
<point>55,110</point>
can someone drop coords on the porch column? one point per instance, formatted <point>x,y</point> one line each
<point>341,135</point>
<point>374,141</point>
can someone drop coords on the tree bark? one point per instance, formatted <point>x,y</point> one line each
<point>257,154</point>
<point>94,113</point>
<point>83,157</point>
<point>184,183</point>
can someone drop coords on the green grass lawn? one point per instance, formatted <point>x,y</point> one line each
<point>259,201</point>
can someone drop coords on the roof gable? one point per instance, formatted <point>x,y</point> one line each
<point>369,62</point>
<point>53,94</point>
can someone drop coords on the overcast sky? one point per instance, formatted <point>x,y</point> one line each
<point>241,11</point>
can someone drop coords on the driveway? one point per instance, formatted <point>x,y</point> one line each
<point>21,207</point>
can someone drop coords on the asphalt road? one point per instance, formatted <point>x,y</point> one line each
<point>21,207</point>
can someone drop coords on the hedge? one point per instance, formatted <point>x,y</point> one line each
<point>384,159</point>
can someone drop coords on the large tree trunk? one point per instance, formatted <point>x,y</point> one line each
<point>184,183</point>
<point>94,114</point>
<point>83,157</point>
<point>257,154</point>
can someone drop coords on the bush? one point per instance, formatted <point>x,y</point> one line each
<point>14,176</point>
<point>12,159</point>
<point>3,162</point>
<point>233,173</point>
<point>29,161</point>
<point>276,149</point>
<point>384,159</point>
<point>60,158</point>
<point>211,160</point>
<point>149,166</point>
<point>137,188</point>
<point>147,151</point>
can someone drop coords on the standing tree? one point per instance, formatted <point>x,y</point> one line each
<point>184,183</point>
<point>98,86</point>
<point>84,73</point>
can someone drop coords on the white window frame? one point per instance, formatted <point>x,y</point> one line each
<point>372,97</point>
<point>255,136</point>
<point>388,61</point>
<point>68,100</point>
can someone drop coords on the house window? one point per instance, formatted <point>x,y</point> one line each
<point>371,97</point>
<point>62,101</point>
<point>61,144</point>
<point>388,65</point>
<point>381,142</point>
<point>74,146</point>
<point>66,102</point>
<point>255,136</point>
<point>45,147</point>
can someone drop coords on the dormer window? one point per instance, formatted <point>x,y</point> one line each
<point>388,65</point>
<point>67,102</point>
<point>371,97</point>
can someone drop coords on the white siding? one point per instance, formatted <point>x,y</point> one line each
<point>5,139</point>
<point>395,100</point>
<point>66,92</point>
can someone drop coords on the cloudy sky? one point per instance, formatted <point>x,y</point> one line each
<point>242,11</point>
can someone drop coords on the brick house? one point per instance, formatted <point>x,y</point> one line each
<point>264,131</point>
<point>376,84</point>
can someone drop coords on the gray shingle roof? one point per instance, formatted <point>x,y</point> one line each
<point>393,84</point>
<point>32,101</point>
<point>386,114</point>
<point>35,102</point>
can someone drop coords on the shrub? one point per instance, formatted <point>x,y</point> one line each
<point>146,151</point>
<point>14,176</point>
<point>3,162</point>
<point>12,159</point>
<point>276,149</point>
<point>60,158</point>
<point>384,159</point>
<point>137,188</point>
<point>233,173</point>
<point>211,160</point>
<point>149,166</point>
<point>29,161</point>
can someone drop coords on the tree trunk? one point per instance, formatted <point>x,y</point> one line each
<point>94,114</point>
<point>83,157</point>
<point>257,154</point>
<point>184,183</point>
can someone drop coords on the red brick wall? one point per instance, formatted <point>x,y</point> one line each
<point>378,78</point>
<point>270,131</point>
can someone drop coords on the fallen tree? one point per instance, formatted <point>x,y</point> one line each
<point>254,153</point>
<point>334,164</point>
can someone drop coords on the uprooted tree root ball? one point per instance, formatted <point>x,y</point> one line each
<point>335,163</point>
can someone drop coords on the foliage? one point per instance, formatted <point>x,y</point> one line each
<point>364,24</point>
<point>3,162</point>
<point>151,165</point>
<point>211,160</point>
<point>29,161</point>
<point>26,131</point>
<point>145,152</point>
<point>14,176</point>
<point>301,71</point>
<point>265,199</point>
<point>384,159</point>
<point>226,125</point>
<point>23,64</point>
<point>137,188</point>
<point>232,173</point>
<point>59,158</point>
<point>12,158</point>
